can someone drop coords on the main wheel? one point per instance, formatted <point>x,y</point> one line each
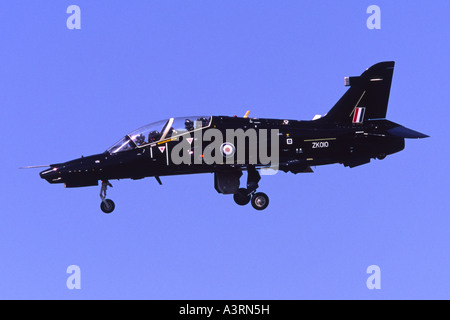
<point>260,201</point>
<point>241,197</point>
<point>107,206</point>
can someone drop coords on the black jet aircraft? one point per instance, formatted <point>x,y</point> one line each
<point>352,133</point>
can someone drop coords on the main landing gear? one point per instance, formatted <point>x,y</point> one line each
<point>243,196</point>
<point>107,205</point>
<point>259,200</point>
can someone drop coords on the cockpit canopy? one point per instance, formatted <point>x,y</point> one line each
<point>158,131</point>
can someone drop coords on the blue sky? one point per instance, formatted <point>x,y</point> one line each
<point>67,93</point>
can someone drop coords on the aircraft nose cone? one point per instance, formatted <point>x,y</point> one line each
<point>52,175</point>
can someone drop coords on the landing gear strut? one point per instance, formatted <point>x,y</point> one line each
<point>107,205</point>
<point>243,196</point>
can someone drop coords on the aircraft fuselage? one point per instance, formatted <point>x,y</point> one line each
<point>302,144</point>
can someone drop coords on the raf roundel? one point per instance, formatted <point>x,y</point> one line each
<point>227,149</point>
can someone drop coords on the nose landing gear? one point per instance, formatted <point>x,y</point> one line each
<point>107,205</point>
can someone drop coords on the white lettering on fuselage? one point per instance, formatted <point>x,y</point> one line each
<point>321,144</point>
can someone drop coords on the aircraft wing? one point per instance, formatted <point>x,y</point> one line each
<point>295,166</point>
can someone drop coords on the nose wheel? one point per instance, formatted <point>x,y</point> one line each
<point>107,205</point>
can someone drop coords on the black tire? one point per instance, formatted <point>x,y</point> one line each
<point>107,206</point>
<point>260,201</point>
<point>241,197</point>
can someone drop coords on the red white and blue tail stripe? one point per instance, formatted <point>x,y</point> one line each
<point>358,115</point>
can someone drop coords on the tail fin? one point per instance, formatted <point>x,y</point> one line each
<point>367,98</point>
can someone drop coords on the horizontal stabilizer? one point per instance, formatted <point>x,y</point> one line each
<point>403,132</point>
